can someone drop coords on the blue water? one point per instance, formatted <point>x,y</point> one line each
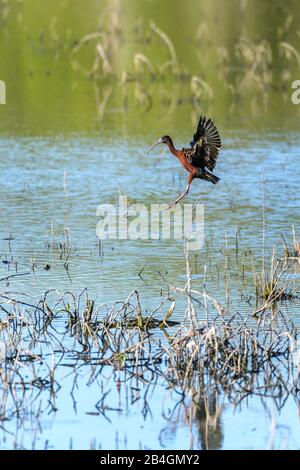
<point>50,189</point>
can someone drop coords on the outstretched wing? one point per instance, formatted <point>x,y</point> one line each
<point>206,144</point>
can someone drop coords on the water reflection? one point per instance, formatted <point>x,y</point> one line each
<point>134,56</point>
<point>208,414</point>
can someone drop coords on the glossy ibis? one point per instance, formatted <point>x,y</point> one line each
<point>200,157</point>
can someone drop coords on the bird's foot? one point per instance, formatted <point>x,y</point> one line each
<point>172,204</point>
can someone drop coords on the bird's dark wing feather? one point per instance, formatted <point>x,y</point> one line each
<point>206,144</point>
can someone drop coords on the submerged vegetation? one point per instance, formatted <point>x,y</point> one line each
<point>209,349</point>
<point>227,349</point>
<point>254,63</point>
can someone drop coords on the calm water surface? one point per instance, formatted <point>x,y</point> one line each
<point>69,143</point>
<point>49,185</point>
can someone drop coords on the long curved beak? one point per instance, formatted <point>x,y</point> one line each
<point>154,145</point>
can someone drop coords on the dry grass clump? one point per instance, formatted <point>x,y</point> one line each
<point>292,252</point>
<point>228,346</point>
<point>232,348</point>
<point>271,288</point>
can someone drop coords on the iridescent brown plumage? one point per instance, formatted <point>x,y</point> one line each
<point>200,157</point>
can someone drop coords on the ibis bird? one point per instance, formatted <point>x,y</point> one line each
<point>200,159</point>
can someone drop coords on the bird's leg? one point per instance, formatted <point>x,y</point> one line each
<point>172,204</point>
<point>190,179</point>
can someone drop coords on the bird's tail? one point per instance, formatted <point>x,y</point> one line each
<point>212,178</point>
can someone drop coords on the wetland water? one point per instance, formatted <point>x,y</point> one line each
<point>69,144</point>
